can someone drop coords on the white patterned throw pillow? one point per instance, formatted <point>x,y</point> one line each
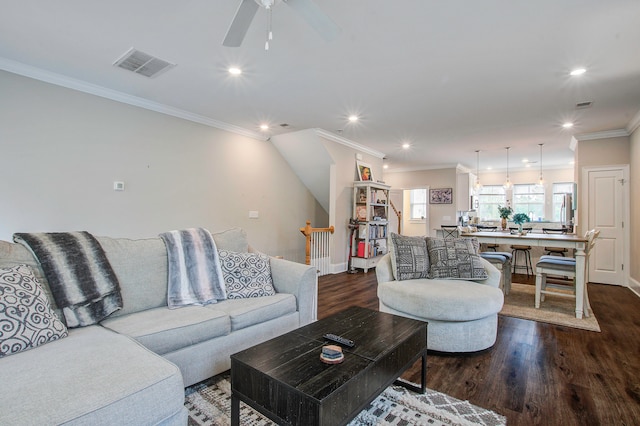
<point>26,317</point>
<point>246,274</point>
<point>456,259</point>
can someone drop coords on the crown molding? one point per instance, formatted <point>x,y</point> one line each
<point>424,168</point>
<point>617,133</point>
<point>634,123</point>
<point>114,95</point>
<point>347,142</point>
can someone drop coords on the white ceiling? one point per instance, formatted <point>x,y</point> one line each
<point>450,77</point>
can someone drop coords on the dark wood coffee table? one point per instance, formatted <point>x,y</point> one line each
<point>284,379</point>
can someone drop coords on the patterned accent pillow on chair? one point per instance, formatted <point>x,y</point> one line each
<point>246,274</point>
<point>26,317</point>
<point>409,257</point>
<point>455,259</point>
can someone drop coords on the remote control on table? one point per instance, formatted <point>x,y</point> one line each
<point>339,339</point>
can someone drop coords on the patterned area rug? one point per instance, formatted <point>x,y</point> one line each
<point>520,303</point>
<point>209,403</point>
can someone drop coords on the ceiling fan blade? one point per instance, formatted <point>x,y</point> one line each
<point>240,24</point>
<point>315,17</point>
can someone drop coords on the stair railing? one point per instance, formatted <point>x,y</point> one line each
<point>317,249</point>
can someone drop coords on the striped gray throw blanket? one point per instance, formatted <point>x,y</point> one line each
<point>195,275</point>
<point>80,276</point>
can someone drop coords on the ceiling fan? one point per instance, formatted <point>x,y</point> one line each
<point>308,9</point>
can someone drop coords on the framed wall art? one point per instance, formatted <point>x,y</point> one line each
<point>441,196</point>
<point>364,171</point>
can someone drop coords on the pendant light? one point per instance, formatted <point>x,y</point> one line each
<point>507,183</point>
<point>540,180</point>
<point>478,186</point>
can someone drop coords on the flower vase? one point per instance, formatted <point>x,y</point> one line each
<point>520,228</point>
<point>504,223</point>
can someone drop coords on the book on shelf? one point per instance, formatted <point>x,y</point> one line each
<point>378,231</point>
<point>371,249</point>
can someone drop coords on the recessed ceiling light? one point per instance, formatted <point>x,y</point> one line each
<point>577,71</point>
<point>353,118</point>
<point>406,145</point>
<point>235,71</point>
<point>567,125</point>
<point>386,166</point>
<point>264,127</point>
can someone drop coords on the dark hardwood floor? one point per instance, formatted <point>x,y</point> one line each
<point>536,373</point>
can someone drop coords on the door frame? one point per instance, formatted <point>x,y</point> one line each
<point>626,215</point>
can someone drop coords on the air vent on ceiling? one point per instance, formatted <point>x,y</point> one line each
<point>582,105</point>
<point>142,63</point>
<point>284,125</point>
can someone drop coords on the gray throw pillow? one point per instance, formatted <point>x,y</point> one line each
<point>409,257</point>
<point>455,259</point>
<point>246,274</point>
<point>26,317</point>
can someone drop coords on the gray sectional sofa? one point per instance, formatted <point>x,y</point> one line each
<point>133,367</point>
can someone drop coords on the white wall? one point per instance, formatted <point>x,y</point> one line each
<point>62,150</point>
<point>634,226</point>
<point>439,214</point>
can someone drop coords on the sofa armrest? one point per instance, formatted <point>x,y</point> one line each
<point>301,281</point>
<point>383,269</point>
<point>494,273</point>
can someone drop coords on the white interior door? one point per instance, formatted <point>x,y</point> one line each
<point>606,213</point>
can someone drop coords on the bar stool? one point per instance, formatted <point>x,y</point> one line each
<point>449,231</point>
<point>502,261</point>
<point>490,246</point>
<point>555,250</point>
<point>525,254</point>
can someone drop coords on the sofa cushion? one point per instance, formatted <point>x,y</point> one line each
<point>455,259</point>
<point>80,380</point>
<point>247,312</point>
<point>165,330</point>
<point>246,274</point>
<point>409,257</point>
<point>442,300</point>
<point>26,318</point>
<point>12,254</point>
<point>234,239</point>
<point>141,268</point>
